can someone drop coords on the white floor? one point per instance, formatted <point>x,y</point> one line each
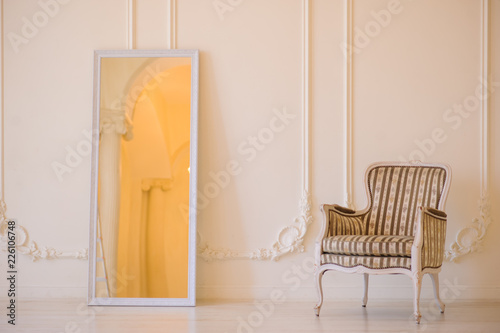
<point>73,315</point>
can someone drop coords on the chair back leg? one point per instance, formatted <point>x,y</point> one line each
<point>435,282</point>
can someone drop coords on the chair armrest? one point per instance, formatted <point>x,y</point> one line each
<point>430,237</point>
<point>435,212</point>
<point>343,210</point>
<point>338,220</point>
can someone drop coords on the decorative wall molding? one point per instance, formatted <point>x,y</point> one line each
<point>348,100</point>
<point>290,240</point>
<point>2,103</point>
<point>117,122</point>
<point>485,103</point>
<point>131,24</point>
<point>30,248</point>
<point>172,34</point>
<point>291,237</point>
<point>24,244</point>
<point>470,238</point>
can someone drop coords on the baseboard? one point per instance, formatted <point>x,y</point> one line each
<point>449,292</point>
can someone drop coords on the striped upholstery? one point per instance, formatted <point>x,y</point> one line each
<point>402,231</point>
<point>367,261</point>
<point>434,232</point>
<point>345,225</point>
<point>385,231</point>
<point>369,245</point>
<point>396,193</point>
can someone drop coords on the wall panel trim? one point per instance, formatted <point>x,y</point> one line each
<point>131,8</point>
<point>172,33</point>
<point>348,105</point>
<point>470,238</point>
<point>291,237</point>
<point>2,104</point>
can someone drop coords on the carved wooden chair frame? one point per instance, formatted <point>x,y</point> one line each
<point>417,271</point>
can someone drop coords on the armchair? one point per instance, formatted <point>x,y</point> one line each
<point>402,230</point>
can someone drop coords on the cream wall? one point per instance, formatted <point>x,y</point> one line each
<point>423,62</point>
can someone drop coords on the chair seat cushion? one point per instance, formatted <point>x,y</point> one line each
<point>366,261</point>
<point>369,245</point>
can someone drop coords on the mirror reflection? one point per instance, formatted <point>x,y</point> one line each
<point>142,227</point>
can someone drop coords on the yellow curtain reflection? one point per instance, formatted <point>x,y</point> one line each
<point>153,225</point>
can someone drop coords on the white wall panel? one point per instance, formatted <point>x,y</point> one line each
<point>48,106</point>
<point>411,70</point>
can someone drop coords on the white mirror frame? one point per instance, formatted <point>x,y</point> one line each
<point>120,301</point>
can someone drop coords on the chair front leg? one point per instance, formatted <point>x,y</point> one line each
<point>365,292</point>
<point>319,288</point>
<point>435,282</point>
<point>417,285</point>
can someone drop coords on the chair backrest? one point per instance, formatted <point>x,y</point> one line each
<point>395,192</point>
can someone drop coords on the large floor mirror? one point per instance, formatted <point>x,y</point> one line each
<point>144,167</point>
